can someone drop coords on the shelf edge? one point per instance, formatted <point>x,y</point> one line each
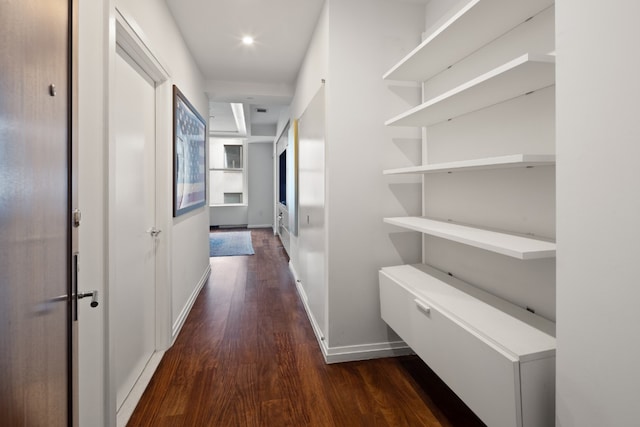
<point>478,243</point>
<point>488,163</point>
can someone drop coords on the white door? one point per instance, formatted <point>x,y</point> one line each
<point>134,219</point>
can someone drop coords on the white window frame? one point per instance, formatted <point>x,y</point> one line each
<point>242,170</point>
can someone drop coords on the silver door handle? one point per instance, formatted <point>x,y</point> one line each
<point>422,306</point>
<point>154,232</point>
<point>92,294</point>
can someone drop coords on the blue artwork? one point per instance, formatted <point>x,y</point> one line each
<point>189,156</point>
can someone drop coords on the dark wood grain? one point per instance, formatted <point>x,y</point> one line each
<point>34,213</point>
<point>247,356</point>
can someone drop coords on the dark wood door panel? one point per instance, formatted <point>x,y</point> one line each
<point>34,225</point>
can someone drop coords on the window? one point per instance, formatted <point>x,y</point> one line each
<point>233,156</point>
<point>227,178</point>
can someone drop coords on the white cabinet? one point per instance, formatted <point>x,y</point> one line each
<point>497,356</point>
<point>486,349</point>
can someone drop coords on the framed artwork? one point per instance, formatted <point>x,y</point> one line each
<point>189,156</point>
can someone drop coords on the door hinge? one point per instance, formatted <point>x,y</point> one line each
<point>77,217</point>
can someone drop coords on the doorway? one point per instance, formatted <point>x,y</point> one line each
<point>138,267</point>
<point>134,211</point>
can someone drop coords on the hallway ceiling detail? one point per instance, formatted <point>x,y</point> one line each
<point>213,30</point>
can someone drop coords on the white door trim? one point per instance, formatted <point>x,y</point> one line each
<point>125,34</point>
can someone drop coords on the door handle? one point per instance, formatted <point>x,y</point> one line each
<point>154,232</point>
<point>422,306</point>
<point>75,295</point>
<point>92,294</point>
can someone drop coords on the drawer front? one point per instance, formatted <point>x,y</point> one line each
<point>395,307</point>
<point>484,378</point>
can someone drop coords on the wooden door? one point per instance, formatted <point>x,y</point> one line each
<point>35,235</point>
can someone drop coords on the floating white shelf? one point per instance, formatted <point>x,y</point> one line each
<point>517,330</point>
<point>502,162</point>
<point>515,246</point>
<point>520,76</point>
<point>463,32</point>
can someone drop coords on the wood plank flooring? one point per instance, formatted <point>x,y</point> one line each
<point>247,356</point>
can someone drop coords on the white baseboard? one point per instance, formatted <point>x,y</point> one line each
<point>350,353</point>
<point>353,353</point>
<point>131,401</point>
<point>259,226</point>
<point>305,302</point>
<point>177,326</point>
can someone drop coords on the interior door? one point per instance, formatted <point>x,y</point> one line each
<point>35,239</point>
<point>134,221</point>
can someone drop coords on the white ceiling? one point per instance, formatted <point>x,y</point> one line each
<point>213,30</point>
<point>261,121</point>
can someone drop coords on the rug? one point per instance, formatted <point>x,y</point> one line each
<point>230,243</point>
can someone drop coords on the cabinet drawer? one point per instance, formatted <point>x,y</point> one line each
<point>396,307</point>
<point>485,377</point>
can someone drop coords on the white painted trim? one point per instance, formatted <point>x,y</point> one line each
<point>164,215</point>
<point>177,326</point>
<point>131,401</point>
<point>348,353</point>
<point>305,302</point>
<point>259,226</point>
<point>353,353</point>
<point>111,309</point>
<point>131,39</point>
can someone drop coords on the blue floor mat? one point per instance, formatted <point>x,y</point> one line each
<point>231,243</point>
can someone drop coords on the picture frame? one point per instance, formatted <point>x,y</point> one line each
<point>189,156</point>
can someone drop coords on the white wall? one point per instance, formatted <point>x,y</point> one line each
<point>365,39</point>
<point>229,215</point>
<point>187,235</point>
<point>355,42</point>
<point>260,162</point>
<point>598,380</point>
<point>315,67</point>
<point>437,10</point>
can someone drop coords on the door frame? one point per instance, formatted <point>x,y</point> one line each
<point>125,34</point>
<point>74,239</point>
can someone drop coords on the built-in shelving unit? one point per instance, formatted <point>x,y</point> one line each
<point>516,246</point>
<point>502,162</point>
<point>462,32</point>
<point>520,76</point>
<point>472,339</point>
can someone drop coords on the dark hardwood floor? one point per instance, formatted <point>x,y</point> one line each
<point>247,356</point>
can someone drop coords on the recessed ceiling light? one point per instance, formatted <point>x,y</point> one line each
<point>247,40</point>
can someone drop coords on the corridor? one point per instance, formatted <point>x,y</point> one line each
<point>247,356</point>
